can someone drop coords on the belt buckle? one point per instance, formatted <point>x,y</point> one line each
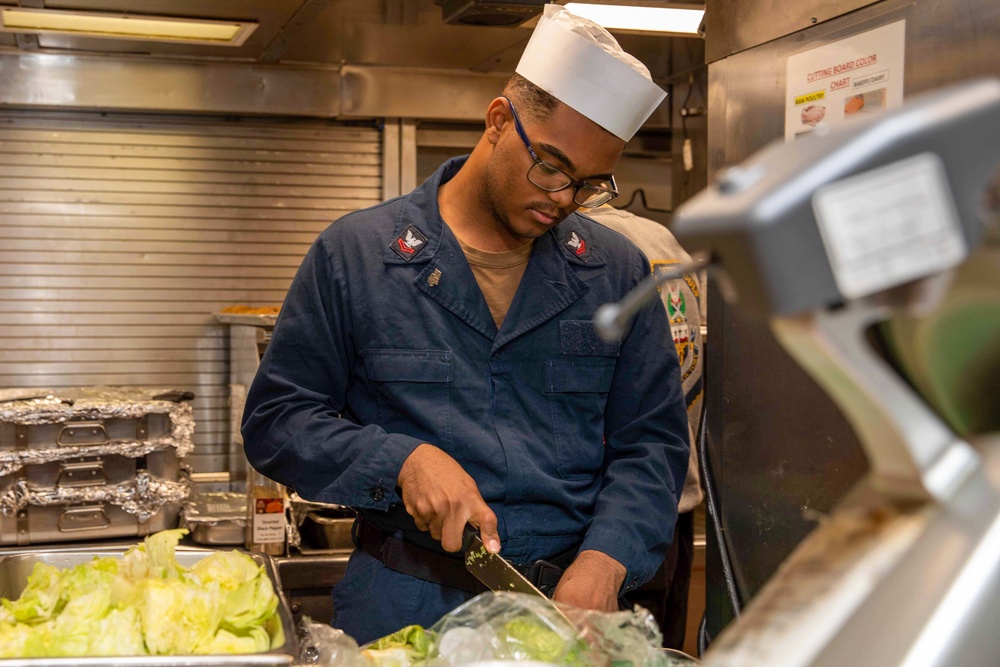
<point>545,576</point>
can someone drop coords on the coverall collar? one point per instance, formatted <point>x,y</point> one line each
<point>548,286</point>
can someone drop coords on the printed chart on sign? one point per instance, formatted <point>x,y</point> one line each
<point>844,80</point>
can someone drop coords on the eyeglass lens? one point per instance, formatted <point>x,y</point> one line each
<point>547,177</point>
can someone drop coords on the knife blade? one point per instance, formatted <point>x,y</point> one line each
<point>497,573</point>
<point>494,571</point>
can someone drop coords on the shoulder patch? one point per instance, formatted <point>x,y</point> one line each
<point>678,297</point>
<point>409,243</point>
<point>577,245</point>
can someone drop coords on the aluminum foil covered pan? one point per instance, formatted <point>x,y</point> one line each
<point>216,518</point>
<point>45,425</point>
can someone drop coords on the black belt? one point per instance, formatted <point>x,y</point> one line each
<point>408,558</point>
<point>401,556</point>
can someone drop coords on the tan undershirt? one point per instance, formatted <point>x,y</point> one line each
<point>498,275</point>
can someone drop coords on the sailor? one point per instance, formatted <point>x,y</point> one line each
<point>435,366</point>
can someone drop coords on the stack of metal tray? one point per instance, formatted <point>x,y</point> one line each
<point>91,463</point>
<point>15,567</point>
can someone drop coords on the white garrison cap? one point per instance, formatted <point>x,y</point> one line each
<point>580,64</point>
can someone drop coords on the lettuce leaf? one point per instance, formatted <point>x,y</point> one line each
<point>177,617</point>
<point>413,641</point>
<point>388,657</point>
<point>256,641</point>
<point>40,596</point>
<point>14,640</point>
<point>118,633</point>
<point>250,605</point>
<point>145,603</point>
<point>154,557</point>
<point>528,638</point>
<point>227,570</point>
<point>82,579</point>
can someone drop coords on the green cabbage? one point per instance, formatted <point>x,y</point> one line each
<point>145,603</point>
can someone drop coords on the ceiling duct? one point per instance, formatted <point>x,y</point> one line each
<point>490,12</point>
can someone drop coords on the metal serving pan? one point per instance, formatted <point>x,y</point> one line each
<point>86,521</point>
<point>321,531</point>
<point>15,567</point>
<point>216,518</point>
<point>91,471</point>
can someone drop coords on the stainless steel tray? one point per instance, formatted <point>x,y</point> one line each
<point>327,532</point>
<point>40,524</point>
<point>222,533</point>
<point>15,567</point>
<point>87,431</point>
<point>91,471</point>
<point>216,518</point>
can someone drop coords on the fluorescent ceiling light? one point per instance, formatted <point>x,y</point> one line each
<point>640,19</point>
<point>125,26</point>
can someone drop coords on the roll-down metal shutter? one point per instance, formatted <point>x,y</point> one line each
<point>120,236</point>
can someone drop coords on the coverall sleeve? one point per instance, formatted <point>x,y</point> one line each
<point>293,430</point>
<point>646,450</point>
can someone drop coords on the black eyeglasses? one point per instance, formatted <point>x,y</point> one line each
<point>550,178</point>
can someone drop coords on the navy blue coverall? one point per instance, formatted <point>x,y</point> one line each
<point>385,342</point>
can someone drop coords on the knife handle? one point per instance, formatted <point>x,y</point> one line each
<point>469,536</point>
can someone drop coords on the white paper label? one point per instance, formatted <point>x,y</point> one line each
<point>848,79</point>
<point>268,521</point>
<point>889,226</point>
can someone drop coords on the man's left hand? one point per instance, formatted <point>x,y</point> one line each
<point>591,582</point>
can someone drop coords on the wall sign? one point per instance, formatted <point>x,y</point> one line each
<point>850,78</point>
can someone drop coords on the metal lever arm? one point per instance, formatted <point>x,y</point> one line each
<point>612,319</point>
<point>913,454</point>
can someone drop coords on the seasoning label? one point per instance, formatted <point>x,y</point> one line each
<point>269,521</point>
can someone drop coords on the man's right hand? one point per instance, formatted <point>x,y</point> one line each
<point>442,498</point>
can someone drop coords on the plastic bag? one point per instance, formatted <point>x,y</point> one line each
<point>523,628</point>
<point>319,644</point>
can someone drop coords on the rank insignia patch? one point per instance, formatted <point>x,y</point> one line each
<point>409,243</point>
<point>577,245</point>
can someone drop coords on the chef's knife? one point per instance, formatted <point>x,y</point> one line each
<point>497,573</point>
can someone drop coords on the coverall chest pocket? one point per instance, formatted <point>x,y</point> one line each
<point>412,390</point>
<point>578,389</point>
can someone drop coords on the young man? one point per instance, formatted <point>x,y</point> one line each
<point>435,366</point>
